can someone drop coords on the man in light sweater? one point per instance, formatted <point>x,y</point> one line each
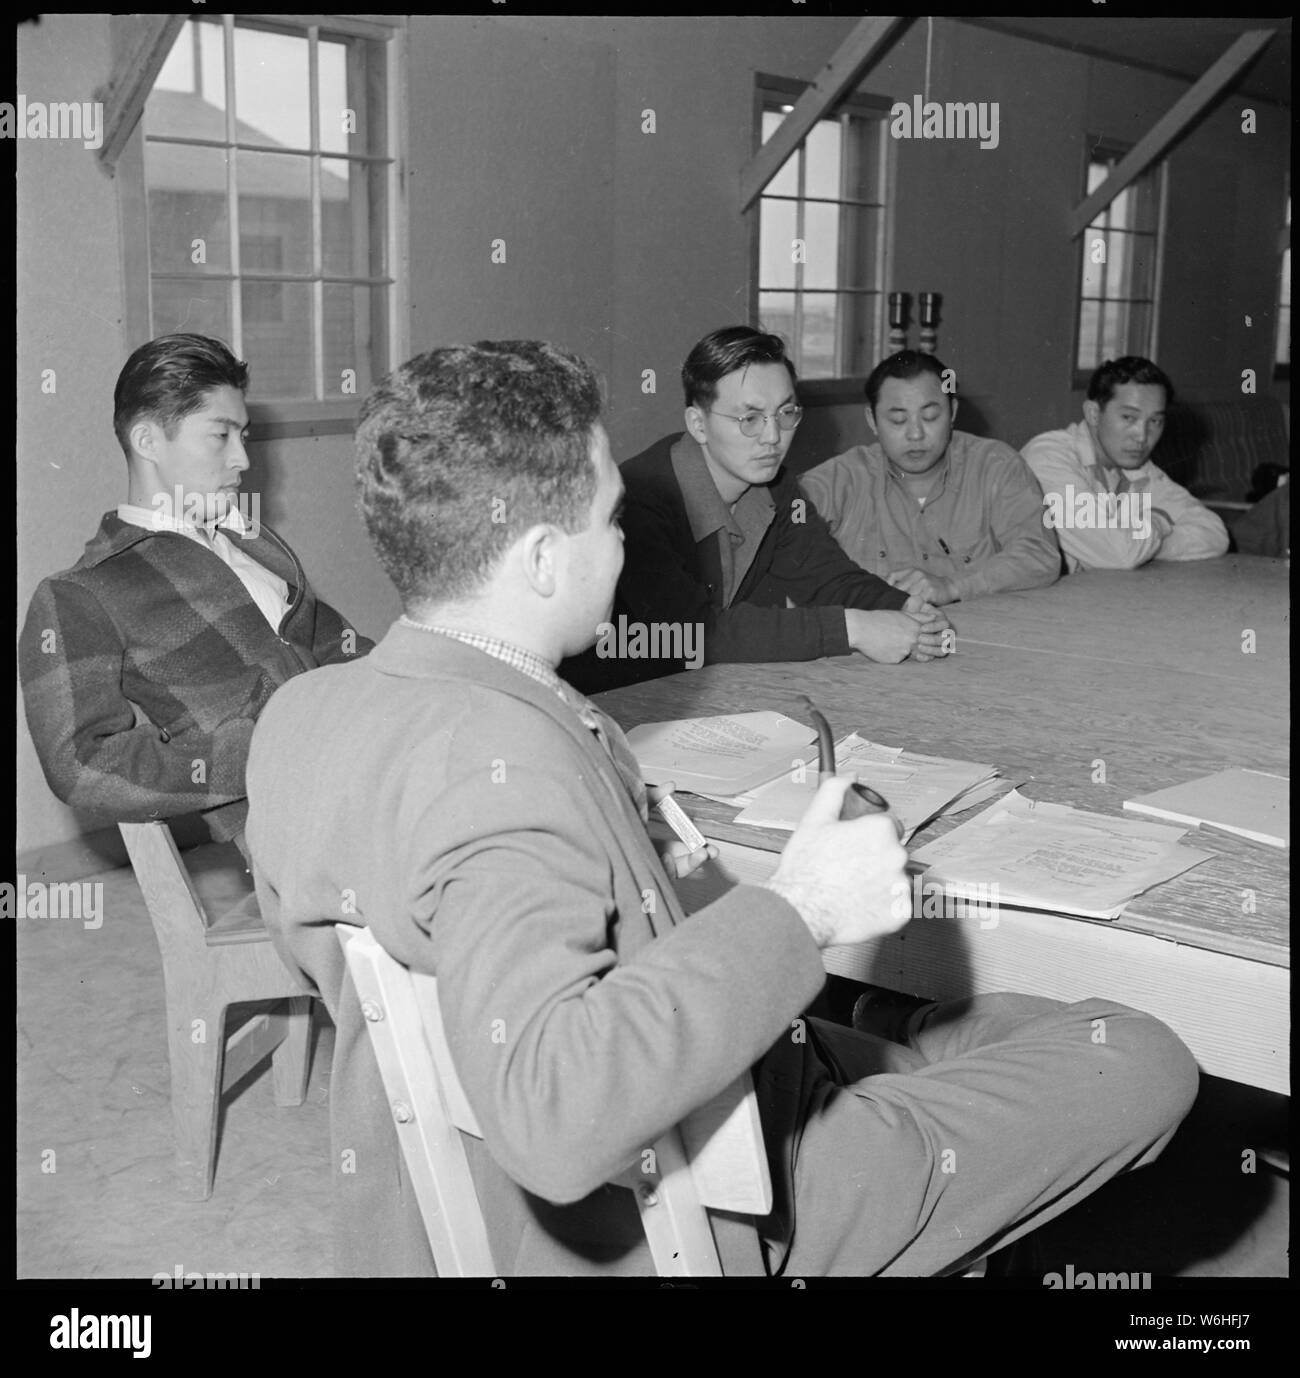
<point>933,510</point>
<point>1110,506</point>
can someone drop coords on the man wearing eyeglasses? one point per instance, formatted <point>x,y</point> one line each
<point>719,537</point>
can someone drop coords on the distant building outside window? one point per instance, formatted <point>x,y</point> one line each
<point>266,171</point>
<point>822,237</point>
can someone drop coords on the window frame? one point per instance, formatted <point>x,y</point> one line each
<point>1095,144</point>
<point>826,392</point>
<point>283,419</point>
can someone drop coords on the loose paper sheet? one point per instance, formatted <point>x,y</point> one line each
<point>1249,803</point>
<point>1056,858</point>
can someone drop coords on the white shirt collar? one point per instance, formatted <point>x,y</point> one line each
<point>161,519</point>
<point>1108,476</point>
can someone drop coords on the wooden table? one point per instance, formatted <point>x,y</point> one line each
<point>1105,686</point>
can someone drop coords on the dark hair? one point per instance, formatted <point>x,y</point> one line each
<point>904,365</point>
<point>1114,373</point>
<point>168,379</point>
<point>724,351</point>
<point>462,449</point>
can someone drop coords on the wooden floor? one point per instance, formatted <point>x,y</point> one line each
<point>93,1088</point>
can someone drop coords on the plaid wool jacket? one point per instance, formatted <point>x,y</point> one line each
<point>145,666</point>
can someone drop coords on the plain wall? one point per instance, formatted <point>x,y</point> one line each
<point>628,246</point>
<point>69,321</point>
<point>622,245</point>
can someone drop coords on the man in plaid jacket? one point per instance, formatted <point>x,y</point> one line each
<point>145,665</point>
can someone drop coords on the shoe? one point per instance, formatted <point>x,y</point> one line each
<point>885,1013</point>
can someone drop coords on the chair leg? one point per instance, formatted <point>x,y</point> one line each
<point>196,1098</point>
<point>289,1062</point>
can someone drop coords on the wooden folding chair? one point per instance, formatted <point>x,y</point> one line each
<point>714,1159</point>
<point>210,964</point>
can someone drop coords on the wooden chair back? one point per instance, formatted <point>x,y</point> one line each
<point>712,1160</point>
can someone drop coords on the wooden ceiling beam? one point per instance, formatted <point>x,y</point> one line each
<point>842,72</point>
<point>132,79</point>
<point>1170,125</point>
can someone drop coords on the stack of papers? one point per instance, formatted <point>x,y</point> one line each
<point>1249,803</point>
<point>721,757</point>
<point>766,764</point>
<point>917,788</point>
<point>1051,857</point>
